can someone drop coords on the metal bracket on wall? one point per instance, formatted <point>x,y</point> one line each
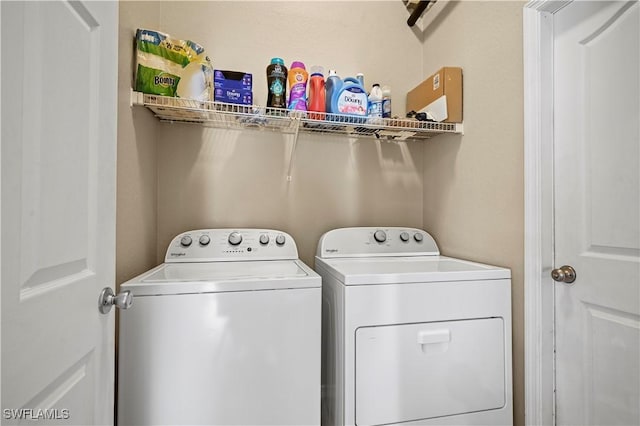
<point>135,98</point>
<point>418,11</point>
<point>294,145</point>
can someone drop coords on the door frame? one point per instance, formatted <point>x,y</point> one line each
<point>0,191</point>
<point>539,300</point>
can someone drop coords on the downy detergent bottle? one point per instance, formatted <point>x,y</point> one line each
<point>276,84</point>
<point>350,99</point>
<point>298,86</point>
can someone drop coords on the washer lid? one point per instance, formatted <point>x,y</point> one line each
<point>211,277</point>
<point>409,269</point>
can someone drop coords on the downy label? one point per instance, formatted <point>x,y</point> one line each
<point>353,101</point>
<point>277,87</point>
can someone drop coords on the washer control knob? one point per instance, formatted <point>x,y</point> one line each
<point>280,239</point>
<point>264,239</point>
<point>235,238</point>
<point>204,240</point>
<point>186,241</point>
<point>404,236</point>
<point>380,236</point>
<point>418,237</point>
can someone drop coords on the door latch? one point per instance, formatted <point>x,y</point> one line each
<point>108,299</point>
<point>564,274</point>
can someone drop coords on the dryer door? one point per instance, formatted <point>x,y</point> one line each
<point>419,371</point>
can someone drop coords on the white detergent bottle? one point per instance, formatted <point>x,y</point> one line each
<point>375,102</point>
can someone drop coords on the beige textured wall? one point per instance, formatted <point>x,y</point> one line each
<point>220,178</point>
<point>473,184</point>
<point>137,156</point>
<point>215,178</point>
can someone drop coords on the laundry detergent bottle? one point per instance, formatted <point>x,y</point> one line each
<point>277,84</point>
<point>375,101</point>
<point>350,99</point>
<point>386,102</point>
<point>317,102</point>
<point>332,85</point>
<point>298,77</point>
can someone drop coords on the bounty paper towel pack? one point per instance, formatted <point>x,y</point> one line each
<point>172,67</point>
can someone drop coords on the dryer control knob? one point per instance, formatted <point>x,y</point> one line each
<point>418,237</point>
<point>235,238</point>
<point>204,240</point>
<point>404,236</point>
<point>186,241</point>
<point>380,236</point>
<point>264,239</point>
<point>280,239</point>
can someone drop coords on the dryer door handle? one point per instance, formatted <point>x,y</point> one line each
<point>427,337</point>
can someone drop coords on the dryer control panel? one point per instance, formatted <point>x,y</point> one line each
<point>380,241</point>
<point>215,245</point>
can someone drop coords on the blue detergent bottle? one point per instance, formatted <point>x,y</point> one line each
<point>331,86</point>
<point>350,99</point>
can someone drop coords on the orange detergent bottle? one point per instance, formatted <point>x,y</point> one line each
<point>317,94</point>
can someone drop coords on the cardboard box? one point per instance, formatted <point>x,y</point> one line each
<point>237,80</point>
<point>440,95</point>
<point>233,96</point>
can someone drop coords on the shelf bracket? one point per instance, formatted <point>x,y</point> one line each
<point>135,98</point>
<point>294,144</point>
<point>418,11</point>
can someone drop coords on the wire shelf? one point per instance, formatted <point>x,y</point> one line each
<point>232,116</point>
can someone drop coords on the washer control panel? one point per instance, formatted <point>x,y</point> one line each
<point>380,241</point>
<point>214,245</point>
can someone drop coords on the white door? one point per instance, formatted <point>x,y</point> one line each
<point>597,212</point>
<point>59,73</point>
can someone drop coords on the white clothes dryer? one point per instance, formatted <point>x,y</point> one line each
<point>225,332</point>
<point>410,336</point>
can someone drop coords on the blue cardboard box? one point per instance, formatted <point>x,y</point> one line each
<point>237,80</point>
<point>233,96</point>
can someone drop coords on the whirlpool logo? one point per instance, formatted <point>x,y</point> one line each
<point>330,250</point>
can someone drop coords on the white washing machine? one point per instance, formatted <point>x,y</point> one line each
<point>409,336</point>
<point>225,332</point>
